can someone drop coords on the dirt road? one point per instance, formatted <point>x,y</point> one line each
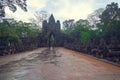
<point>55,64</point>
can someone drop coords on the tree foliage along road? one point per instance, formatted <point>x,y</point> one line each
<point>16,35</point>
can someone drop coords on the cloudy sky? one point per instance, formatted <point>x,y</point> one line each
<point>62,9</point>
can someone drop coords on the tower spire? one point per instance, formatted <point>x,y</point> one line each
<point>52,19</point>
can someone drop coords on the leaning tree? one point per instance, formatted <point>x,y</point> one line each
<point>12,6</point>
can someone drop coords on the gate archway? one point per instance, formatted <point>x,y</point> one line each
<point>51,40</point>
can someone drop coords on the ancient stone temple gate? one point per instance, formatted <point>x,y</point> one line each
<point>51,34</point>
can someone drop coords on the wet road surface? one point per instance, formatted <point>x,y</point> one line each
<point>55,64</point>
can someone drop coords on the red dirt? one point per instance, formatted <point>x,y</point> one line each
<point>93,60</point>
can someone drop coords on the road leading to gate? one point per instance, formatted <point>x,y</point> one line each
<point>56,64</point>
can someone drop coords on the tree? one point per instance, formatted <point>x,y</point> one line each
<point>68,24</point>
<point>7,35</point>
<point>112,12</point>
<point>94,18</point>
<point>80,31</point>
<point>11,4</point>
<point>110,19</point>
<point>40,16</point>
<point>25,30</point>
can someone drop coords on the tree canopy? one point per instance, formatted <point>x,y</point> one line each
<point>12,6</point>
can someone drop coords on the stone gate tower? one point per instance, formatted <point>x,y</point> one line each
<point>51,27</point>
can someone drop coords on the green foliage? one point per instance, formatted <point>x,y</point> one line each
<point>85,37</point>
<point>12,34</point>
<point>112,29</point>
<point>80,31</point>
<point>26,30</point>
<point>7,35</point>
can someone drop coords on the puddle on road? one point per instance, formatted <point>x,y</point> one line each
<point>20,67</point>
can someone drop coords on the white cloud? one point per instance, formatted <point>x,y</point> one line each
<point>32,6</point>
<point>67,9</point>
<point>62,9</point>
<point>77,11</point>
<point>36,4</point>
<point>19,14</point>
